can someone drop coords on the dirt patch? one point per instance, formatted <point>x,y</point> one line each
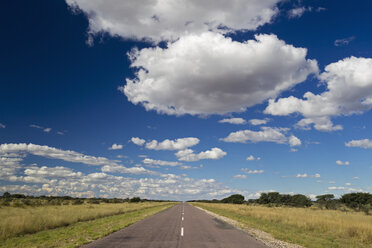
<point>262,236</point>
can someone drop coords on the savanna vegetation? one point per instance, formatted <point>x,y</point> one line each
<point>26,218</point>
<point>325,222</point>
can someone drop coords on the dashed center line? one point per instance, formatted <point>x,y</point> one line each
<point>182,231</point>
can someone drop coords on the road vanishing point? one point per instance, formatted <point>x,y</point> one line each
<point>182,225</point>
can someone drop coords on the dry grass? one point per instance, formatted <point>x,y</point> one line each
<point>339,226</point>
<point>16,221</point>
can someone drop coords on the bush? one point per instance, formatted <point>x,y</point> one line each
<point>357,201</point>
<point>234,199</point>
<point>135,199</point>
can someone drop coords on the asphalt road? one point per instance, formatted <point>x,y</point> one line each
<point>182,225</point>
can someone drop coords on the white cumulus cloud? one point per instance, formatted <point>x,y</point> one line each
<point>257,122</point>
<point>363,143</point>
<point>248,171</point>
<point>158,20</point>
<point>177,144</point>
<point>138,141</point>
<point>339,162</point>
<point>251,158</point>
<point>266,134</point>
<point>189,155</point>
<point>294,141</point>
<point>212,74</point>
<point>160,162</point>
<point>237,121</point>
<point>115,147</point>
<point>240,176</point>
<point>349,91</point>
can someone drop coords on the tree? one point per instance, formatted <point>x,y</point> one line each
<point>135,199</point>
<point>6,195</point>
<point>357,200</point>
<point>327,201</point>
<point>300,201</point>
<point>235,199</point>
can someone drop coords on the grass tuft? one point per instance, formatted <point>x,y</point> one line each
<point>312,228</point>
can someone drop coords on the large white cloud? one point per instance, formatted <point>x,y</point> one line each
<point>189,155</point>
<point>158,20</point>
<point>10,157</point>
<point>349,91</point>
<point>51,152</point>
<point>212,74</point>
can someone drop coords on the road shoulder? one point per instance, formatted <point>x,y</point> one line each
<point>262,236</point>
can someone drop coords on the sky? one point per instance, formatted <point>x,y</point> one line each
<point>185,99</point>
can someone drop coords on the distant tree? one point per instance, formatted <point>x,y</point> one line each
<point>135,199</point>
<point>6,195</point>
<point>300,201</point>
<point>327,201</point>
<point>235,199</point>
<point>357,200</point>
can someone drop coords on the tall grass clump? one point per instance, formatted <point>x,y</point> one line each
<point>313,223</point>
<point>22,218</point>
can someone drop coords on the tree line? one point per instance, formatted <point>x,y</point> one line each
<point>20,200</point>
<point>356,201</point>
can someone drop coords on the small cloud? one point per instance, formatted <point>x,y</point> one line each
<point>116,147</point>
<point>293,150</point>
<point>320,9</point>
<point>339,162</point>
<point>60,133</point>
<point>355,178</point>
<point>137,141</point>
<point>302,175</point>
<point>362,143</point>
<point>336,188</point>
<point>318,181</point>
<point>298,12</point>
<point>257,122</point>
<point>121,156</point>
<point>2,125</point>
<point>248,171</point>
<point>142,156</point>
<point>240,176</point>
<point>236,121</point>
<point>317,175</point>
<point>36,126</point>
<point>347,184</point>
<point>251,158</point>
<point>312,196</point>
<point>344,42</point>
<point>47,130</point>
<point>294,141</point>
<point>332,182</point>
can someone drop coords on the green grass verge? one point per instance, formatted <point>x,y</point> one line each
<point>289,233</point>
<point>82,232</point>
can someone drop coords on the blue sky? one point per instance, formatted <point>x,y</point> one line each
<point>167,100</point>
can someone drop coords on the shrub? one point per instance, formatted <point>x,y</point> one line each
<point>235,199</point>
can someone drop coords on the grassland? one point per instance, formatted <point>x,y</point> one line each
<point>310,227</point>
<point>69,225</point>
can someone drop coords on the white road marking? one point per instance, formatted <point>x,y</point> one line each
<point>182,218</point>
<point>181,231</point>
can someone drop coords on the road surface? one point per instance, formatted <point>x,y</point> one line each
<point>181,226</point>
